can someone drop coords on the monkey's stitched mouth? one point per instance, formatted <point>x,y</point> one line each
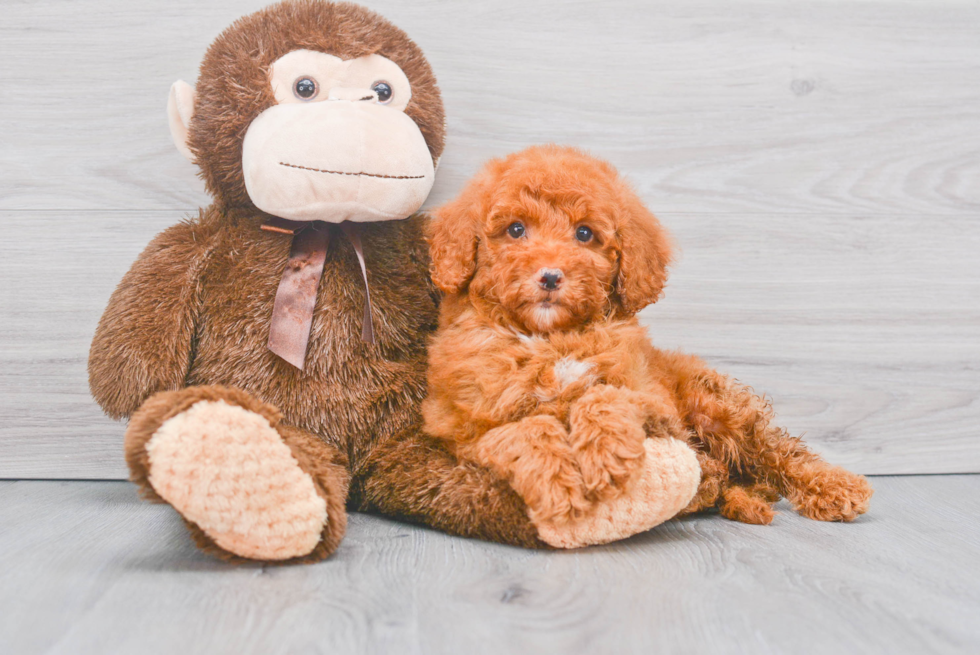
<point>361,174</point>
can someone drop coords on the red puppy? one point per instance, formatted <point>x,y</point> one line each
<point>541,371</point>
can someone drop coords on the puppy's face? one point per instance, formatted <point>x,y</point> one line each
<point>551,238</point>
<point>549,262</point>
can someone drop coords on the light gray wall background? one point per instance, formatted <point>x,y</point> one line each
<point>818,163</point>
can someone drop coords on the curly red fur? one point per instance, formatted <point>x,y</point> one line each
<point>553,383</point>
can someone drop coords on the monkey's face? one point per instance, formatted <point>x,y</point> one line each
<point>313,111</point>
<point>337,145</point>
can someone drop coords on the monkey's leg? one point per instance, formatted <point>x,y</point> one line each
<point>247,486</point>
<point>415,478</point>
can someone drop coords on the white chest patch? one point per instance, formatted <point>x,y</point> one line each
<point>569,370</point>
<point>525,338</point>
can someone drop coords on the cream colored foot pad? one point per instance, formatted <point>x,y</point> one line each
<point>670,479</point>
<point>227,470</point>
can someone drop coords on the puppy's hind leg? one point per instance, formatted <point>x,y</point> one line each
<point>749,504</point>
<point>817,489</point>
<point>735,426</point>
<point>746,503</point>
<point>715,478</point>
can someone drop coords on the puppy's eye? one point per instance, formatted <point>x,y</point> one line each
<point>305,88</point>
<point>583,233</point>
<point>516,230</point>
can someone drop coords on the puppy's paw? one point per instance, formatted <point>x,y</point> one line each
<point>833,494</point>
<point>714,476</point>
<point>552,490</point>
<point>608,461</point>
<point>663,487</point>
<point>747,505</point>
<point>607,434</point>
<point>534,455</point>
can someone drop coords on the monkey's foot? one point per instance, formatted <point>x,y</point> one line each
<point>243,483</point>
<point>665,485</point>
<point>227,470</point>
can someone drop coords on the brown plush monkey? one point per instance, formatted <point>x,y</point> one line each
<point>265,394</point>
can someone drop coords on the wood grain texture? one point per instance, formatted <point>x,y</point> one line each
<point>878,380</point>
<point>763,106</point>
<point>818,163</point>
<point>88,568</point>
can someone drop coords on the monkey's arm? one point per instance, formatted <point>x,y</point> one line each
<point>144,341</point>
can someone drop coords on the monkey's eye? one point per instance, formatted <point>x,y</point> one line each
<point>305,88</point>
<point>583,233</point>
<point>384,91</point>
<point>516,230</point>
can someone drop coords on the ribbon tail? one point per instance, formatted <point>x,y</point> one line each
<point>367,325</point>
<point>292,313</point>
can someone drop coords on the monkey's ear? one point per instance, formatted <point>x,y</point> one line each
<point>180,110</point>
<point>452,237</point>
<point>644,256</point>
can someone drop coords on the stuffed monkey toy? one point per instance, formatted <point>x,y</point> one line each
<point>270,352</point>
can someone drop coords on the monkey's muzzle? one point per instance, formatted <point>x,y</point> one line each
<point>336,161</point>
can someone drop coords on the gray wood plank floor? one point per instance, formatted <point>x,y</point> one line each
<point>85,567</point>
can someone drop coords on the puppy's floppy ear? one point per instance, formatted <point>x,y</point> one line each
<point>645,254</point>
<point>453,236</point>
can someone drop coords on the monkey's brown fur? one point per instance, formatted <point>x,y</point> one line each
<point>497,392</point>
<point>190,320</point>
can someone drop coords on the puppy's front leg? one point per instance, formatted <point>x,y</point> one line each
<point>607,427</point>
<point>534,455</point>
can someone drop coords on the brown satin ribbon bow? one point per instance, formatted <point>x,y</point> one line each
<point>292,314</point>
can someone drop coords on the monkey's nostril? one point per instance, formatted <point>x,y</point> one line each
<point>550,279</point>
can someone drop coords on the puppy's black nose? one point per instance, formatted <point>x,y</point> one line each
<point>550,278</point>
